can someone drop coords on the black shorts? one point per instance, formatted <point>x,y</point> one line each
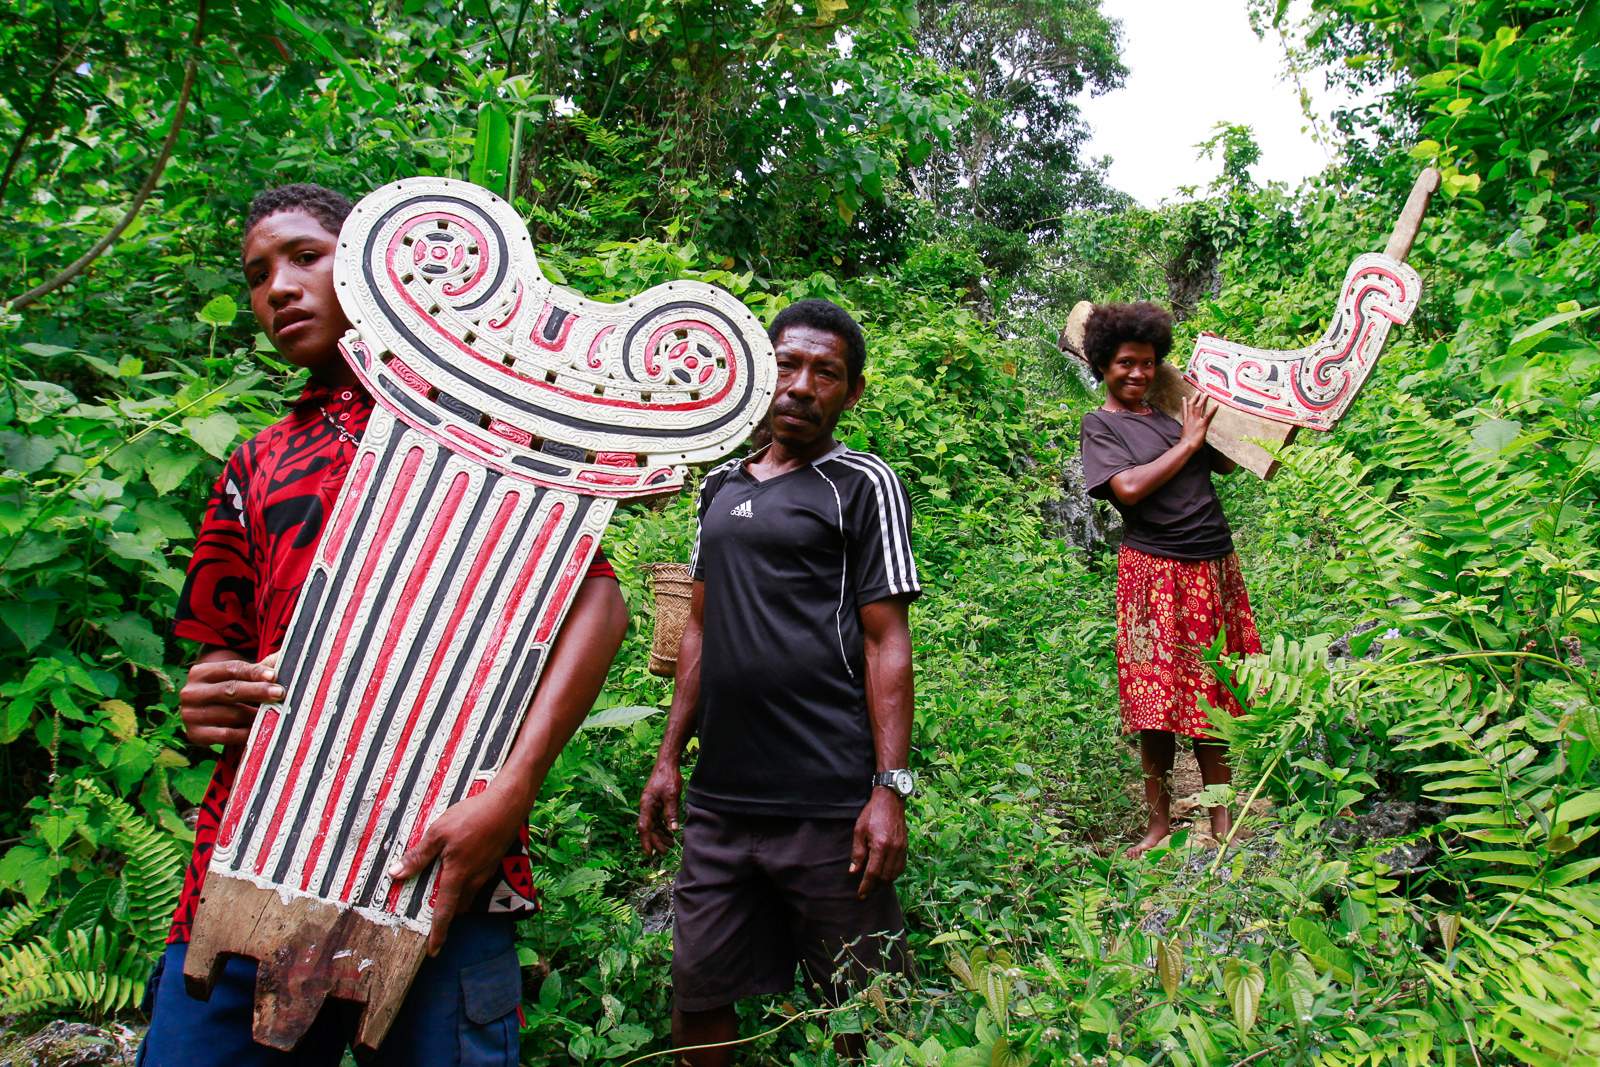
<point>758,895</point>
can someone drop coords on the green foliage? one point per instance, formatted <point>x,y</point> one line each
<point>98,948</point>
<point>1012,170</point>
<point>1499,95</point>
<point>816,152</point>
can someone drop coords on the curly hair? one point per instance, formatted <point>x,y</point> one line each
<point>1111,324</point>
<point>321,203</point>
<point>828,317</point>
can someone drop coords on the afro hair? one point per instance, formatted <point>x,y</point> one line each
<point>1111,324</point>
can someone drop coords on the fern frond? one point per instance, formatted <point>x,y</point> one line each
<point>152,871</point>
<point>1380,531</point>
<point>610,142</point>
<point>1279,677</point>
<point>15,920</point>
<point>1541,967</point>
<point>1483,498</point>
<point>90,972</point>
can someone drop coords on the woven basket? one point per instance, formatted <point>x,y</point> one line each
<point>672,583</point>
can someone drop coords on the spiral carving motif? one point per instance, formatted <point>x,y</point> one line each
<point>1313,386</point>
<point>442,283</point>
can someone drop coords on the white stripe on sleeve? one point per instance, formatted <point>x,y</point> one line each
<point>892,518</point>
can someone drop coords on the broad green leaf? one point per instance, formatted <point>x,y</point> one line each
<point>550,991</point>
<point>167,467</point>
<point>136,640</point>
<point>616,718</point>
<point>995,985</point>
<point>44,351</point>
<point>949,936</point>
<point>219,311</point>
<point>1099,1016</point>
<point>161,518</point>
<point>491,149</point>
<point>86,908</point>
<point>1294,983</point>
<point>1493,435</point>
<point>26,452</point>
<point>30,870</point>
<point>1520,340</point>
<point>1169,966</point>
<point>32,621</point>
<point>962,968</point>
<point>1243,982</point>
<point>14,718</point>
<point>1321,949</point>
<point>215,433</point>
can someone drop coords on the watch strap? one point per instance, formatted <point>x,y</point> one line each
<point>888,780</point>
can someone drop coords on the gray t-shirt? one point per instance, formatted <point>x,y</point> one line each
<point>787,564</point>
<point>1181,520</point>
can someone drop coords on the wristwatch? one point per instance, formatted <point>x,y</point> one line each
<point>902,781</point>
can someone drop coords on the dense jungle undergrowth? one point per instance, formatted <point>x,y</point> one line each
<point>1416,882</point>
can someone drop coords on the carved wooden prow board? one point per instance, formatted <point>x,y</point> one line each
<point>511,416</point>
<point>1265,395</point>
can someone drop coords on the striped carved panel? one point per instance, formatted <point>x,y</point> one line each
<point>427,615</point>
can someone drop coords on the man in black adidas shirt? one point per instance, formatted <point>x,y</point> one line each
<point>795,670</point>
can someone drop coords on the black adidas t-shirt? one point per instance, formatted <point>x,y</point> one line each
<point>786,564</point>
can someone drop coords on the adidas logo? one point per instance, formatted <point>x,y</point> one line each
<point>742,511</point>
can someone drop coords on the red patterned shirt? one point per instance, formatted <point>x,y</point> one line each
<point>254,551</point>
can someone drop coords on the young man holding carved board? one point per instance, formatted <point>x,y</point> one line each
<point>254,549</point>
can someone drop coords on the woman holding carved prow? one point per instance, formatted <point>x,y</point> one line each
<point>1178,580</point>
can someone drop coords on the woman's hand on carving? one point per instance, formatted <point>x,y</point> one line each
<point>219,701</point>
<point>1198,411</point>
<point>470,841</point>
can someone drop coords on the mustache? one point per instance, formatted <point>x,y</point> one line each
<point>796,411</point>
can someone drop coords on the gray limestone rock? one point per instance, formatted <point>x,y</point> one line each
<point>70,1044</point>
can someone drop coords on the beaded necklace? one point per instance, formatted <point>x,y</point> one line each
<point>344,434</point>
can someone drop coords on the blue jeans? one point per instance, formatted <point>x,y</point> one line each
<point>462,1010</point>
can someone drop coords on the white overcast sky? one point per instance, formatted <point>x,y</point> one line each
<point>1192,64</point>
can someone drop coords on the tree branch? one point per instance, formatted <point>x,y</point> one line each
<point>65,55</point>
<point>78,266</point>
<point>28,129</point>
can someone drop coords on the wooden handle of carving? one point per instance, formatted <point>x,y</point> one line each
<point>1410,221</point>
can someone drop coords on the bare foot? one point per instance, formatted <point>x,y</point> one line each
<point>1221,824</point>
<point>1153,836</point>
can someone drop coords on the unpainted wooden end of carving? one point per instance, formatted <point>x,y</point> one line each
<point>306,951</point>
<point>1236,434</point>
<point>1409,223</point>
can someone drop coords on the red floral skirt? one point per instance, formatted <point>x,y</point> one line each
<point>1168,613</point>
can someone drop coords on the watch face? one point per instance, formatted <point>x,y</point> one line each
<point>904,783</point>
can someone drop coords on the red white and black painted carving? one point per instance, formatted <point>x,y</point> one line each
<point>1313,386</point>
<point>511,416</point>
